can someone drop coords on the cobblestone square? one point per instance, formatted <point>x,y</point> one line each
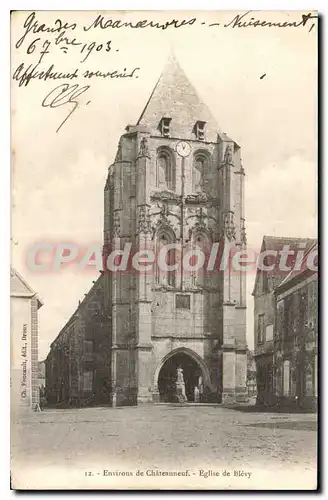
<point>101,447</point>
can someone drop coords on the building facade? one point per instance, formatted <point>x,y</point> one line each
<point>296,339</point>
<point>24,306</point>
<point>267,283</point>
<point>77,367</point>
<point>177,182</point>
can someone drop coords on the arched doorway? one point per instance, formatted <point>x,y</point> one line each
<point>193,374</point>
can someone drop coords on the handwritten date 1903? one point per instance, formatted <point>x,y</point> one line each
<point>65,94</point>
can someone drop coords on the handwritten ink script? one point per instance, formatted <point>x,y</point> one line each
<point>246,20</point>
<point>42,47</point>
<point>64,94</point>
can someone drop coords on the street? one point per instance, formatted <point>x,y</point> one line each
<point>210,446</point>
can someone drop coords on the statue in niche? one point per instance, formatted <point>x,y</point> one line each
<point>180,388</point>
<point>228,155</point>
<point>144,147</point>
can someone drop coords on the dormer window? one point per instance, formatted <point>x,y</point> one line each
<point>164,126</point>
<point>199,130</point>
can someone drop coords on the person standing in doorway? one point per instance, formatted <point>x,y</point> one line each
<point>196,394</point>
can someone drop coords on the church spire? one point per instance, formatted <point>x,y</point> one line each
<point>174,97</point>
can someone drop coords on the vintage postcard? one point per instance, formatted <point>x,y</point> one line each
<point>164,320</point>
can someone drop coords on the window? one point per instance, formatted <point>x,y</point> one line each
<point>312,309</point>
<point>165,258</point>
<point>280,319</point>
<point>200,169</point>
<point>260,329</point>
<point>286,378</point>
<point>87,381</point>
<point>269,333</point>
<point>198,172</point>
<point>199,130</point>
<point>88,346</point>
<point>295,309</point>
<point>165,178</point>
<point>182,302</point>
<point>164,126</point>
<point>201,247</point>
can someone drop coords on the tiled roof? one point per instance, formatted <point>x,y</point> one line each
<point>173,96</point>
<point>302,268</point>
<point>276,243</point>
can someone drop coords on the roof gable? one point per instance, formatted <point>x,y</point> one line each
<point>276,243</point>
<point>18,285</point>
<point>20,288</point>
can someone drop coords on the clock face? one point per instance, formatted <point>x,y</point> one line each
<point>183,149</point>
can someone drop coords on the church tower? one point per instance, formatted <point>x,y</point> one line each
<point>177,183</point>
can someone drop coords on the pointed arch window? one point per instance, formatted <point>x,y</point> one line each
<point>201,245</point>
<point>199,171</point>
<point>165,172</point>
<point>165,257</point>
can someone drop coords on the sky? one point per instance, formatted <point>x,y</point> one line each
<point>58,178</point>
